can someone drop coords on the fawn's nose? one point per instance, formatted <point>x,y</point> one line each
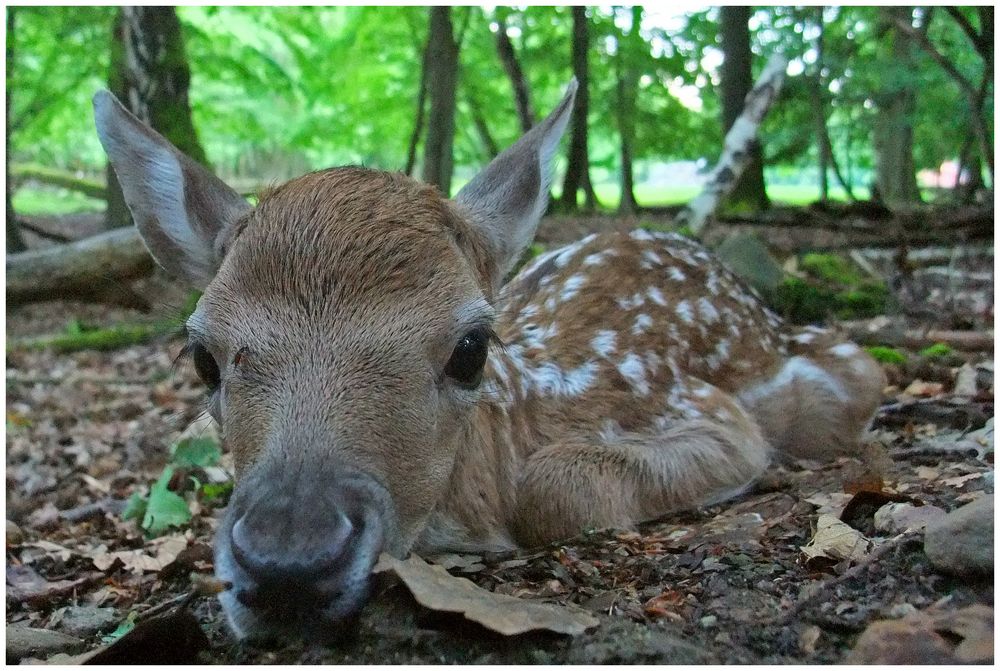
<point>291,554</point>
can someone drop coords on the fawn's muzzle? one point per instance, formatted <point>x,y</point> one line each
<point>298,551</point>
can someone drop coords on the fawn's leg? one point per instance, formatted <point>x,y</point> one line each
<point>711,452</point>
<point>820,402</point>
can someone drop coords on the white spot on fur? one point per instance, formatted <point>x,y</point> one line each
<point>656,296</point>
<point>595,259</point>
<point>676,274</point>
<point>571,287</point>
<point>685,312</point>
<point>652,257</point>
<point>844,350</point>
<point>604,343</point>
<point>635,301</point>
<point>707,310</point>
<point>633,370</point>
<point>641,234</point>
<point>642,322</point>
<point>803,338</point>
<point>551,380</point>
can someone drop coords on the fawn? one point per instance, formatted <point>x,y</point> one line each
<point>383,389</point>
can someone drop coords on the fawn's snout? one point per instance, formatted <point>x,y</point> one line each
<point>298,548</point>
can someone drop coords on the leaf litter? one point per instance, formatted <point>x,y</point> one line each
<point>99,429</point>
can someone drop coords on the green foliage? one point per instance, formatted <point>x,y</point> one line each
<point>831,268</point>
<point>886,354</point>
<point>195,452</point>
<point>127,625</point>
<point>79,337</point>
<point>938,350</point>
<point>162,508</point>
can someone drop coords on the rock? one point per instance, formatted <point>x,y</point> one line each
<point>24,641</point>
<point>948,637</point>
<point>748,257</point>
<point>961,542</point>
<point>85,621</point>
<point>895,518</point>
<point>14,534</point>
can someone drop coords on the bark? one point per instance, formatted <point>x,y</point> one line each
<point>442,80</point>
<point>895,172</point>
<point>512,66</point>
<point>15,241</point>
<point>149,73</point>
<point>628,80</point>
<point>736,150</point>
<point>877,332</point>
<point>418,122</point>
<point>489,143</point>
<point>749,191</point>
<point>578,170</point>
<point>92,269</point>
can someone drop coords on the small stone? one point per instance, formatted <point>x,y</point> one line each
<point>961,542</point>
<point>85,621</point>
<point>895,518</point>
<point>708,621</point>
<point>14,534</point>
<point>901,610</point>
<point>24,641</point>
<point>747,256</point>
<point>928,637</point>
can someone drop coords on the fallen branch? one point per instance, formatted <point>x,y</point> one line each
<point>60,178</point>
<point>880,332</point>
<point>736,148</point>
<point>92,269</point>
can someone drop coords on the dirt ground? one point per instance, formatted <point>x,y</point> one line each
<point>726,584</point>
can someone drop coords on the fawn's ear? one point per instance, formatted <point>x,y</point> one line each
<point>507,199</point>
<point>179,207</point>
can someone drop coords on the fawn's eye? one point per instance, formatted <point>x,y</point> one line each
<point>204,364</point>
<point>466,363</point>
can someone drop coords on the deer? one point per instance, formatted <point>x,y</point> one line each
<point>385,383</point>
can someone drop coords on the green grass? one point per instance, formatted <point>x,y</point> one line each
<point>53,201</point>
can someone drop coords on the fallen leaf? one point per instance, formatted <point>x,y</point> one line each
<point>808,639</point>
<point>924,389</point>
<point>836,540</point>
<point>52,549</point>
<point>433,587</point>
<point>25,585</point>
<point>959,481</point>
<point>829,503</point>
<point>965,382</point>
<point>862,507</point>
<point>155,556</point>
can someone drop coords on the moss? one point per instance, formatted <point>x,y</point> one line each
<point>886,354</point>
<point>801,302</point>
<point>831,268</point>
<point>938,350</point>
<point>115,337</point>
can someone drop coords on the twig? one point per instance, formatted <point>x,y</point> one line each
<point>853,572</point>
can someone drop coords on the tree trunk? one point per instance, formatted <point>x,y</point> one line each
<point>737,78</point>
<point>442,80</point>
<point>15,241</point>
<point>627,91</point>
<point>149,73</point>
<point>895,172</point>
<point>511,64</point>
<point>578,170</point>
<point>819,111</point>
<point>490,147</point>
<point>418,123</point>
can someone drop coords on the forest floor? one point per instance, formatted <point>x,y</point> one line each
<point>726,584</point>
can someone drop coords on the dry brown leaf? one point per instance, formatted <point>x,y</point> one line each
<point>965,381</point>
<point>836,540</point>
<point>829,503</point>
<point>959,481</point>
<point>923,389</point>
<point>433,587</point>
<point>157,555</point>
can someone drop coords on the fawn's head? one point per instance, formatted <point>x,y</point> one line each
<point>342,335</point>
